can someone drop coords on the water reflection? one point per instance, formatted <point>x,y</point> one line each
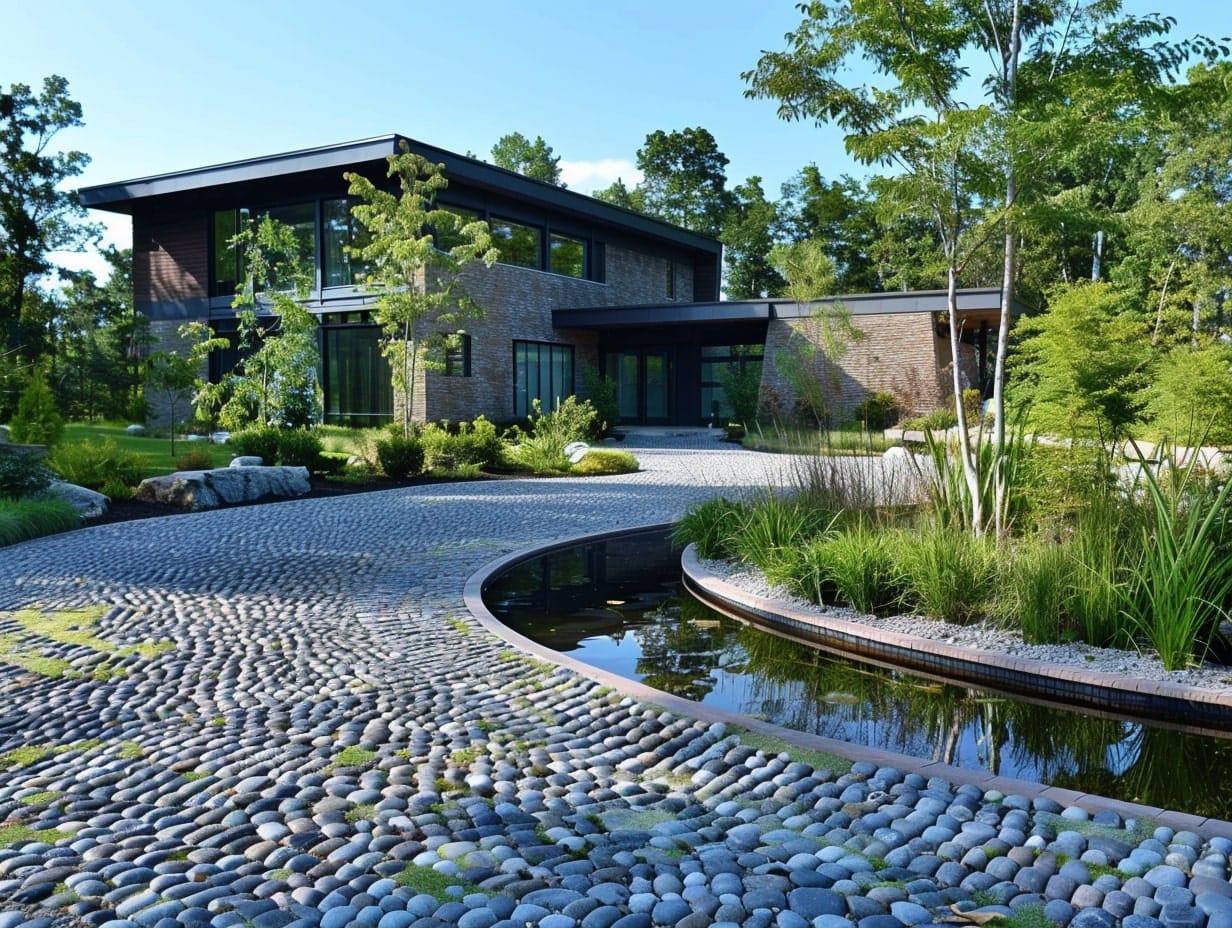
<point>617,605</point>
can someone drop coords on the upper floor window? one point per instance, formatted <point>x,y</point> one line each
<point>566,255</point>
<point>340,232</point>
<point>518,244</point>
<point>228,270</point>
<point>447,238</point>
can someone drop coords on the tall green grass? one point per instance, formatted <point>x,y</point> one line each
<point>24,519</point>
<point>1184,577</point>
<point>777,524</point>
<point>858,566</point>
<point>949,575</point>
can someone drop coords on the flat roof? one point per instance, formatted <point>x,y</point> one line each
<point>123,196</point>
<point>971,301</point>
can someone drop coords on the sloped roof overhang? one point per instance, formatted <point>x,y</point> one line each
<point>975,304</point>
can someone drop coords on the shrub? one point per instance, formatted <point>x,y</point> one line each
<point>741,383</point>
<point>36,421</point>
<point>711,526</point>
<point>936,421</point>
<point>400,457</point>
<point>22,474</point>
<point>604,461</point>
<point>543,450</point>
<point>23,519</point>
<point>775,524</point>
<point>196,459</point>
<point>879,411</point>
<point>601,393</point>
<point>474,444</point>
<point>299,448</point>
<point>259,441</point>
<point>1039,587</point>
<point>97,465</point>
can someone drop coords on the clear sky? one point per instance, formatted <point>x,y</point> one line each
<point>173,84</point>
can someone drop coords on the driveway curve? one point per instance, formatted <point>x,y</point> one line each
<point>284,715</point>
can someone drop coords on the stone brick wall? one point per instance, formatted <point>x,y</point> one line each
<point>518,304</point>
<point>900,354</point>
<point>163,412</point>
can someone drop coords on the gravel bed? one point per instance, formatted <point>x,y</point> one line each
<point>987,637</point>
<point>283,717</point>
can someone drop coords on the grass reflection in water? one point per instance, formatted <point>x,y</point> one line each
<point>636,623</point>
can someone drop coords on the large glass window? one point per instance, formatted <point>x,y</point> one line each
<point>446,237</point>
<point>518,244</point>
<point>228,274</point>
<point>543,372</point>
<point>340,231</point>
<point>357,383</point>
<point>566,255</point>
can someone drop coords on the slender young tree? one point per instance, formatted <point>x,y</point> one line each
<point>420,295</point>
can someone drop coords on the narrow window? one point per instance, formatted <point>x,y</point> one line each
<point>340,232</point>
<point>670,289</point>
<point>458,355</point>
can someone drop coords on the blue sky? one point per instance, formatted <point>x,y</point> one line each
<point>173,85</point>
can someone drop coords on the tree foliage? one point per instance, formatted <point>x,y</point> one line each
<point>515,152</point>
<point>419,294</point>
<point>276,382</point>
<point>37,216</point>
<point>748,237</point>
<point>684,179</point>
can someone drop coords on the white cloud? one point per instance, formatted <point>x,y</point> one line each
<point>589,176</point>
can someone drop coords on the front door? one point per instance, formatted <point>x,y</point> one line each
<point>643,381</point>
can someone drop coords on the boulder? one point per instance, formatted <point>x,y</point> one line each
<point>90,503</point>
<point>224,486</point>
<point>247,460</point>
<point>135,429</point>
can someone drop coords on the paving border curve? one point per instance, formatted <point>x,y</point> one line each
<point>473,596</point>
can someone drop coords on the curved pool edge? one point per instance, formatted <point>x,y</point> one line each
<point>473,597</point>
<point>1066,684</point>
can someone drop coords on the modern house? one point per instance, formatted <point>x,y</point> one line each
<point>579,282</point>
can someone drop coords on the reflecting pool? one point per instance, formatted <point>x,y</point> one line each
<point>617,604</point>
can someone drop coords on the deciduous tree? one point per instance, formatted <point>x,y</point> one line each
<point>37,216</point>
<point>684,179</point>
<point>535,159</point>
<point>748,236</point>
<point>420,295</point>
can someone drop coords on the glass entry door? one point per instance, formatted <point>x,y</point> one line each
<point>643,381</point>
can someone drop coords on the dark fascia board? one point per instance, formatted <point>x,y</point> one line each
<point>661,314</point>
<point>120,197</point>
<point>976,299</point>
<point>987,299</point>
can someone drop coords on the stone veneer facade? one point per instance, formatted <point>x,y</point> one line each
<point>899,353</point>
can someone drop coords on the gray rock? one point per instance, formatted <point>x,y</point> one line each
<point>89,503</point>
<point>209,489</point>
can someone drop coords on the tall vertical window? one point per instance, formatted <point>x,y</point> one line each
<point>518,244</point>
<point>458,355</point>
<point>543,372</point>
<point>226,269</point>
<point>356,378</point>
<point>339,230</point>
<point>566,255</point>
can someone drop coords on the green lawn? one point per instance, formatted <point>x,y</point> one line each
<point>155,452</point>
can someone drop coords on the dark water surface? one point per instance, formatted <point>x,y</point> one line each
<point>618,605</point>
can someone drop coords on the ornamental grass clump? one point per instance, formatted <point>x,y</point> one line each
<point>711,526</point>
<point>862,565</point>
<point>776,525</point>
<point>949,575</point>
<point>1183,579</point>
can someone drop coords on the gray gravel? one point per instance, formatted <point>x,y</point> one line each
<point>327,738</point>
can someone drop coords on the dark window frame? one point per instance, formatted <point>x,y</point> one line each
<point>545,353</point>
<point>458,355</point>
